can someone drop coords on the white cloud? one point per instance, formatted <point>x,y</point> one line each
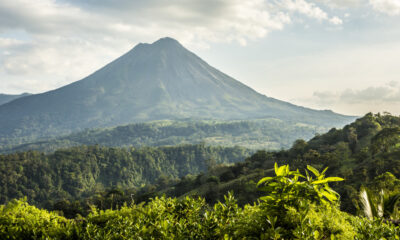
<point>218,21</point>
<point>390,7</point>
<point>336,21</point>
<point>307,8</point>
<point>310,10</point>
<point>73,38</point>
<point>10,42</point>
<point>342,3</point>
<point>380,94</point>
<point>64,35</point>
<point>359,101</point>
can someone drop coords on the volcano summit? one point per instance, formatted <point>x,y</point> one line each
<point>162,80</point>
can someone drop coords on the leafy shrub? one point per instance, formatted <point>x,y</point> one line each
<point>374,229</point>
<point>162,218</point>
<point>292,209</point>
<point>322,222</point>
<point>19,220</point>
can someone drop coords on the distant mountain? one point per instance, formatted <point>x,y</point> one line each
<point>155,81</point>
<point>5,98</point>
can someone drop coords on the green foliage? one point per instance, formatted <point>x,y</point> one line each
<point>269,133</point>
<point>82,172</point>
<point>287,189</point>
<point>18,220</point>
<point>192,218</point>
<point>375,229</point>
<point>85,173</point>
<point>347,153</point>
<point>162,218</point>
<point>386,139</point>
<point>320,222</point>
<point>381,205</point>
<point>305,207</point>
<point>294,204</point>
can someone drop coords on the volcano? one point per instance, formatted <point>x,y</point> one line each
<point>157,81</point>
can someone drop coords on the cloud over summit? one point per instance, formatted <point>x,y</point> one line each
<point>54,31</point>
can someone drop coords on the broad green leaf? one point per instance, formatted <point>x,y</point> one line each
<point>267,198</point>
<point>287,169</point>
<point>331,197</point>
<point>316,234</point>
<point>328,179</point>
<point>313,170</point>
<point>296,173</point>
<point>273,184</point>
<point>281,170</point>
<point>308,176</point>
<point>264,180</point>
<point>328,189</point>
<point>276,168</point>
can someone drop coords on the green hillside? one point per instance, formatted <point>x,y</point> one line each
<point>359,153</point>
<point>362,153</point>
<point>270,134</point>
<point>90,186</point>
<point>80,172</point>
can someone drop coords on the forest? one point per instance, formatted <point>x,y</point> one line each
<point>295,206</point>
<point>270,133</point>
<point>343,184</point>
<point>79,172</point>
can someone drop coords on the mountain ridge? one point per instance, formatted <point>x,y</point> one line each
<point>5,98</point>
<point>157,81</point>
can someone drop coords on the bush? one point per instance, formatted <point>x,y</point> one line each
<point>19,220</point>
<point>293,209</point>
<point>374,229</point>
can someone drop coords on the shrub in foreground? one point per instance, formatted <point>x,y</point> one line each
<point>296,206</point>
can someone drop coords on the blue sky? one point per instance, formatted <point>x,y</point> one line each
<point>342,55</point>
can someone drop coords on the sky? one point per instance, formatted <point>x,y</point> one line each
<point>342,55</point>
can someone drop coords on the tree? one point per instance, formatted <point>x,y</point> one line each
<point>385,139</point>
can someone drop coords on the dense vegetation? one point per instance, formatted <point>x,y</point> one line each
<point>363,153</point>
<point>80,172</point>
<point>295,207</point>
<point>255,134</point>
<point>268,201</point>
<point>360,152</point>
